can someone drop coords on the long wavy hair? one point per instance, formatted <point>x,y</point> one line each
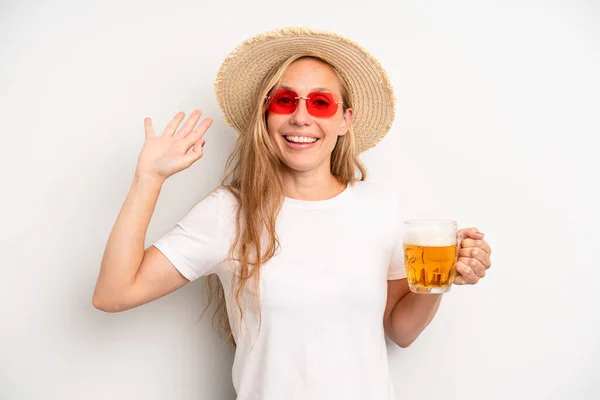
<point>253,176</point>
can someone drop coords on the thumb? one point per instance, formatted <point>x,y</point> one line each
<point>148,128</point>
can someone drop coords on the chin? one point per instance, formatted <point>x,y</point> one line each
<point>299,166</point>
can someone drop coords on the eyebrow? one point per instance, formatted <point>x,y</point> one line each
<point>317,89</point>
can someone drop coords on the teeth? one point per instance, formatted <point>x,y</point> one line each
<point>301,139</point>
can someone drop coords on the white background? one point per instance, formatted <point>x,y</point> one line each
<point>498,125</point>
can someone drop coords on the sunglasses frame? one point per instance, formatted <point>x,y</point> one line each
<point>306,98</point>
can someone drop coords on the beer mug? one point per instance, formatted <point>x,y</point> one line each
<point>430,255</point>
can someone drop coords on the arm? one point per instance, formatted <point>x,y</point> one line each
<point>407,314</point>
<point>129,275</point>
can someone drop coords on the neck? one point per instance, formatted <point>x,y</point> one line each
<point>311,185</point>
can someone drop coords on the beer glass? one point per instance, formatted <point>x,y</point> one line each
<point>430,254</point>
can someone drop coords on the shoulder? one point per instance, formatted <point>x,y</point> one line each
<point>217,203</point>
<point>220,195</point>
<point>226,196</point>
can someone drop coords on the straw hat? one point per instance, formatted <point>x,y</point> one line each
<point>242,72</point>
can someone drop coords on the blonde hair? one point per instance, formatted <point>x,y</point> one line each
<point>253,176</point>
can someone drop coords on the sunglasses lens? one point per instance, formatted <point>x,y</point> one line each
<point>284,102</point>
<point>321,104</point>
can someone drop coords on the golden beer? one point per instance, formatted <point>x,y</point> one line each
<point>430,266</point>
<point>430,253</point>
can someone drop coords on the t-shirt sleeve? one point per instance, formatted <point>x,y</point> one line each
<point>193,244</point>
<point>396,268</point>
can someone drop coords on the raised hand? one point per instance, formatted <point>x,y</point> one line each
<point>173,151</point>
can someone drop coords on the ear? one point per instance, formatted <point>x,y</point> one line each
<point>346,122</point>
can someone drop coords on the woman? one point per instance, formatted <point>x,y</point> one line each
<point>307,252</point>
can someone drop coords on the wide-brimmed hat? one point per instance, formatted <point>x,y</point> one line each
<point>244,69</point>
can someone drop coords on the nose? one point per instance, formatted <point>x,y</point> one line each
<point>301,116</point>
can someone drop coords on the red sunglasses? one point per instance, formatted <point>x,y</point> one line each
<point>318,104</point>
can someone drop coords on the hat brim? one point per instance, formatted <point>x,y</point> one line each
<point>243,71</point>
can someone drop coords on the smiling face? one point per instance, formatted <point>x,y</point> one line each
<point>304,142</point>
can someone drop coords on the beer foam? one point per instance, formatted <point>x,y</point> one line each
<point>430,235</point>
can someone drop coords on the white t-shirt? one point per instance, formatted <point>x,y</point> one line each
<point>322,295</point>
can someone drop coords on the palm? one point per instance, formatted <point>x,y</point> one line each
<point>162,155</point>
<point>165,155</point>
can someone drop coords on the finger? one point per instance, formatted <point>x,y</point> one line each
<point>148,128</point>
<point>189,124</point>
<point>466,273</point>
<point>172,126</point>
<point>476,253</point>
<point>481,244</point>
<point>195,153</point>
<point>198,133</point>
<point>472,233</point>
<point>476,265</point>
